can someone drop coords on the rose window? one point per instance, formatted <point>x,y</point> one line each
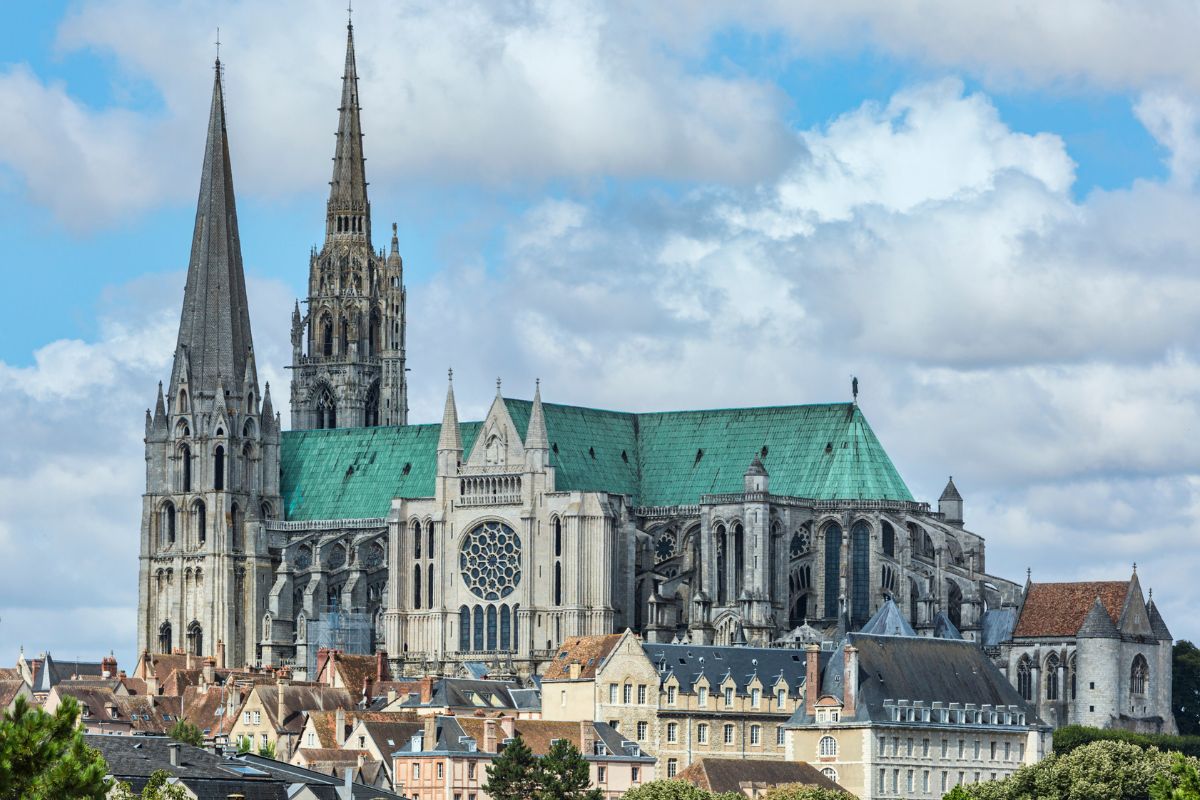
<point>490,560</point>
<point>664,548</point>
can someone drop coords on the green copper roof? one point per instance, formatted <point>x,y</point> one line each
<point>823,452</point>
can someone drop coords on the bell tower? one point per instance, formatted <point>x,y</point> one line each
<point>212,449</point>
<point>348,347</point>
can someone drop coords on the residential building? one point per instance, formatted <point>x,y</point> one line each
<point>273,716</point>
<point>133,760</point>
<point>753,778</point>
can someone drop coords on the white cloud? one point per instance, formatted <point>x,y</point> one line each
<point>1175,122</point>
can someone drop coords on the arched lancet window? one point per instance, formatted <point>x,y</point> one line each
<point>477,628</point>
<point>195,639</point>
<point>914,602</point>
<point>416,538</point>
<point>860,564</point>
<point>1071,676</point>
<point>326,336</point>
<point>557,537</point>
<point>326,408</point>
<point>185,465</point>
<point>201,522</point>
<point>491,627</point>
<point>954,602</point>
<point>1025,678</point>
<point>417,586</point>
<point>429,588</point>
<point>558,583</point>
<point>722,571</point>
<point>505,628</point>
<point>464,628</point>
<point>266,511</point>
<point>889,540</point>
<point>167,524</point>
<point>164,638</point>
<point>343,336</point>
<point>429,539</point>
<point>515,628</point>
<point>237,520</point>
<point>373,340</point>
<point>739,567</point>
<point>1052,677</point>
<point>183,400</point>
<point>1139,675</point>
<point>833,568</point>
<point>372,407</point>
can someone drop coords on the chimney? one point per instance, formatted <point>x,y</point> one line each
<point>108,666</point>
<point>508,725</point>
<point>850,681</point>
<point>576,670</point>
<point>173,748</point>
<point>188,660</point>
<point>429,737</point>
<point>587,737</point>
<point>208,674</point>
<point>427,689</point>
<point>489,735</point>
<point>279,705</point>
<point>391,695</point>
<point>366,691</point>
<point>152,687</point>
<point>339,728</point>
<point>220,654</point>
<point>381,666</point>
<point>812,678</point>
<point>322,657</point>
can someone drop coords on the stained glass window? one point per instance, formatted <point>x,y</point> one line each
<point>490,560</point>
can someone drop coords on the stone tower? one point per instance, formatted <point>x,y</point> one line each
<point>348,350</point>
<point>212,449</point>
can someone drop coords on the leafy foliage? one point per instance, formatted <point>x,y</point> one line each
<point>267,750</point>
<point>667,789</point>
<point>798,791</point>
<point>513,774</point>
<point>1185,687</point>
<point>563,774</point>
<point>1068,738</point>
<point>186,732</point>
<point>1182,784</point>
<point>158,787</point>
<point>1103,770</point>
<point>44,757</point>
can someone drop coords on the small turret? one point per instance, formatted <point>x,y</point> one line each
<point>950,504</point>
<point>449,441</point>
<point>756,478</point>
<point>537,440</point>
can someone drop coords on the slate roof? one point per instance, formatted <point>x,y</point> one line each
<point>208,776</point>
<point>1157,624</point>
<point>536,733</point>
<point>822,452</point>
<point>943,628</point>
<point>888,621</point>
<point>1059,609</point>
<point>720,775</point>
<point>297,700</point>
<point>997,626</point>
<point>917,668</point>
<point>951,491</point>
<point>321,785</point>
<point>1098,624</point>
<point>587,651</point>
<point>390,736</point>
<point>688,662</point>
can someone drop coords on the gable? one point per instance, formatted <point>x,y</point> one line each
<point>498,443</point>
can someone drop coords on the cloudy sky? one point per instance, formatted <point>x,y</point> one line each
<point>988,214</point>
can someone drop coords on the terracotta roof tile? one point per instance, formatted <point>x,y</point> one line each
<point>1058,609</point>
<point>9,690</point>
<point>733,774</point>
<point>588,651</point>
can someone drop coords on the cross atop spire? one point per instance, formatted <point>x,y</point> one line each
<point>218,43</point>
<point>214,328</point>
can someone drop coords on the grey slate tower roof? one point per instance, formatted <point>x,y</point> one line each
<point>1098,624</point>
<point>348,188</point>
<point>1157,624</point>
<point>943,628</point>
<point>756,467</point>
<point>888,621</point>
<point>951,491</point>
<point>214,330</point>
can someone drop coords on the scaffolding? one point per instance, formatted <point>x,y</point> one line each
<point>351,631</point>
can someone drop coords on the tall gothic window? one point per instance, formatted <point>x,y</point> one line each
<point>185,468</point>
<point>860,563</point>
<point>558,583</point>
<point>505,628</point>
<point>1025,678</point>
<point>914,601</point>
<point>164,638</point>
<point>557,537</point>
<point>195,639</point>
<point>739,565</point>
<point>219,468</point>
<point>201,522</point>
<point>167,524</point>
<point>1072,677</point>
<point>1139,673</point>
<point>722,571</point>
<point>417,586</point>
<point>326,336</point>
<point>372,407</point>
<point>889,540</point>
<point>1052,677</point>
<point>429,588</point>
<point>326,408</point>
<point>954,601</point>
<point>416,538</point>
<point>464,628</point>
<point>491,627</point>
<point>833,567</point>
<point>429,540</point>
<point>477,628</point>
<point>238,520</point>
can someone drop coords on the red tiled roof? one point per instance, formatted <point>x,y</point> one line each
<point>719,775</point>
<point>1058,609</point>
<point>587,651</point>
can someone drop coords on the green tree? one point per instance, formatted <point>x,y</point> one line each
<point>1185,687</point>
<point>244,744</point>
<point>800,791</point>
<point>186,732</point>
<point>1182,784</point>
<point>563,774</point>
<point>267,750</point>
<point>513,775</point>
<point>44,757</point>
<point>158,787</point>
<point>667,789</point>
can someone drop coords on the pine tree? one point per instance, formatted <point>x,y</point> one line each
<point>44,757</point>
<point>564,774</point>
<point>513,775</point>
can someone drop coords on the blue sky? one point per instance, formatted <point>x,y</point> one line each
<point>988,217</point>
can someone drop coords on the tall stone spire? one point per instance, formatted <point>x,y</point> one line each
<point>214,330</point>
<point>349,209</point>
<point>448,438</point>
<point>536,437</point>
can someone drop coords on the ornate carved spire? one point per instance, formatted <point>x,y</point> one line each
<point>536,437</point>
<point>448,439</point>
<point>214,330</point>
<point>348,208</point>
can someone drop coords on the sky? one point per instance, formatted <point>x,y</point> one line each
<point>986,212</point>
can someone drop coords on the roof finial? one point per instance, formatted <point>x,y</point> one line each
<point>1135,568</point>
<point>1151,592</point>
<point>450,374</point>
<point>497,386</point>
<point>1028,573</point>
<point>854,388</point>
<point>349,13</point>
<point>218,43</point>
<point>537,383</point>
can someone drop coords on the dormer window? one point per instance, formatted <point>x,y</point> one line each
<point>87,712</point>
<point>112,712</point>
